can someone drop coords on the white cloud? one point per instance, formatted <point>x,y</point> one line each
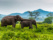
<point>12,6</point>
<point>48,1</point>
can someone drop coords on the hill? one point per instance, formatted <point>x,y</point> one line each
<point>42,16</point>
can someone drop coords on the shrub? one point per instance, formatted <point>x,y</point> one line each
<point>5,36</point>
<point>48,20</point>
<point>18,35</point>
<point>11,34</point>
<point>46,25</point>
<point>50,28</point>
<point>8,35</point>
<point>38,30</point>
<point>39,23</point>
<point>13,38</point>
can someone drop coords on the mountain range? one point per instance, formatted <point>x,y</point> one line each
<point>25,15</point>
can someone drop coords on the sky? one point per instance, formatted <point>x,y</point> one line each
<point>19,6</point>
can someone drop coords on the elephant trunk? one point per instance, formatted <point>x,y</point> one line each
<point>36,26</point>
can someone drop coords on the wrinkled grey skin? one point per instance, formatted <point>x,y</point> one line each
<point>28,23</point>
<point>11,20</point>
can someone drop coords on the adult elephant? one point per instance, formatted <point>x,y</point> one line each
<point>28,23</point>
<point>11,20</point>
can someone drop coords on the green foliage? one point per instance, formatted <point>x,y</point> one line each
<point>34,15</point>
<point>11,34</point>
<point>50,15</point>
<point>38,30</point>
<point>13,38</point>
<point>5,36</point>
<point>39,23</point>
<point>32,18</point>
<point>8,36</point>
<point>18,35</point>
<point>48,20</point>
<point>44,31</point>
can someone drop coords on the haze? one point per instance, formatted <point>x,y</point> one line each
<point>20,6</point>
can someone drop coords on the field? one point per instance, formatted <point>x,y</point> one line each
<point>43,32</point>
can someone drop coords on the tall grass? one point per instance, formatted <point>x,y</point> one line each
<point>43,32</point>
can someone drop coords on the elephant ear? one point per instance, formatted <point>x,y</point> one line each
<point>18,17</point>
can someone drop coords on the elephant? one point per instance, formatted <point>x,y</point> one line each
<point>28,23</point>
<point>11,20</point>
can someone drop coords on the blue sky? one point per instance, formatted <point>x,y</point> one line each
<point>20,6</point>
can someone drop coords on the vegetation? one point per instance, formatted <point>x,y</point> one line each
<point>44,31</point>
<point>48,20</point>
<point>50,15</point>
<point>31,18</point>
<point>33,15</point>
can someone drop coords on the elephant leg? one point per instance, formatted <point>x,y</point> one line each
<point>5,25</point>
<point>14,25</point>
<point>30,26</point>
<point>22,26</point>
<point>2,25</point>
<point>36,26</point>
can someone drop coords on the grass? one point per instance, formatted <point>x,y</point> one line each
<point>43,32</point>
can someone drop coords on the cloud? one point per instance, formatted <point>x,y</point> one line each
<point>48,1</point>
<point>8,3</point>
<point>12,6</point>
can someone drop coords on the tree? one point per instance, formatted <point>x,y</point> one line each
<point>50,15</point>
<point>36,14</point>
<point>30,13</point>
<point>31,18</point>
<point>48,20</point>
<point>33,15</point>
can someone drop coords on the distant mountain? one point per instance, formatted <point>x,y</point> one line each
<point>42,13</point>
<point>14,14</point>
<point>26,14</point>
<point>1,16</point>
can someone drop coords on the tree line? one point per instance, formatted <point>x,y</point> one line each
<point>34,15</point>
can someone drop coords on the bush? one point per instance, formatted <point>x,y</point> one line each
<point>5,36</point>
<point>18,35</point>
<point>11,34</point>
<point>38,30</point>
<point>13,38</point>
<point>8,35</point>
<point>50,28</point>
<point>47,25</point>
<point>48,20</point>
<point>39,23</point>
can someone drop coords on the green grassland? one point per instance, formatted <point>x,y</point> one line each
<point>44,31</point>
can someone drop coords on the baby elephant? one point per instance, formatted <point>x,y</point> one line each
<point>28,23</point>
